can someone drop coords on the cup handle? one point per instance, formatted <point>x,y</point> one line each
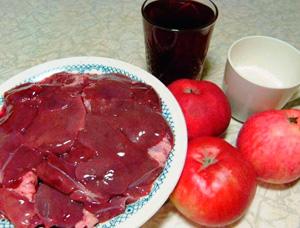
<point>294,101</point>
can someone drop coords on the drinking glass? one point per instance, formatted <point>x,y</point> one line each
<point>177,36</point>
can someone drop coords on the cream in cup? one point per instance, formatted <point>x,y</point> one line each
<point>261,73</point>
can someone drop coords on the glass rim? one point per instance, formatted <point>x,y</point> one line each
<point>205,26</point>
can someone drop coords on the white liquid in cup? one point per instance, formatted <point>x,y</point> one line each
<point>259,76</point>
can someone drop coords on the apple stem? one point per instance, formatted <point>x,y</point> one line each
<point>205,162</point>
<point>293,120</point>
<point>188,90</point>
<point>208,161</point>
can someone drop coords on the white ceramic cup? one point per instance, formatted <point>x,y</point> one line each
<point>261,73</point>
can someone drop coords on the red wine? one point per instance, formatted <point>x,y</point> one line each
<point>174,14</point>
<point>177,34</point>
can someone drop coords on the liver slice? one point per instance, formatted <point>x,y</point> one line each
<point>18,209</point>
<point>56,208</point>
<point>60,117</point>
<point>18,163</point>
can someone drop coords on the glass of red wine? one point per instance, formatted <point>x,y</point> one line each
<point>177,35</point>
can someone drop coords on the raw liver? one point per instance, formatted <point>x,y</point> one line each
<point>59,119</point>
<point>18,209</point>
<point>95,143</point>
<point>56,208</point>
<point>17,164</point>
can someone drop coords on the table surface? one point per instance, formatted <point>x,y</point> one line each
<point>35,31</point>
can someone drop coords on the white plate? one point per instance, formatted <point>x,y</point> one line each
<point>142,210</point>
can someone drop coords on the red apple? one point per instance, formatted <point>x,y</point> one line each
<point>217,185</point>
<point>205,107</point>
<point>270,140</point>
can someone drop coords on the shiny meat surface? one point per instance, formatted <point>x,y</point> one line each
<point>76,148</point>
